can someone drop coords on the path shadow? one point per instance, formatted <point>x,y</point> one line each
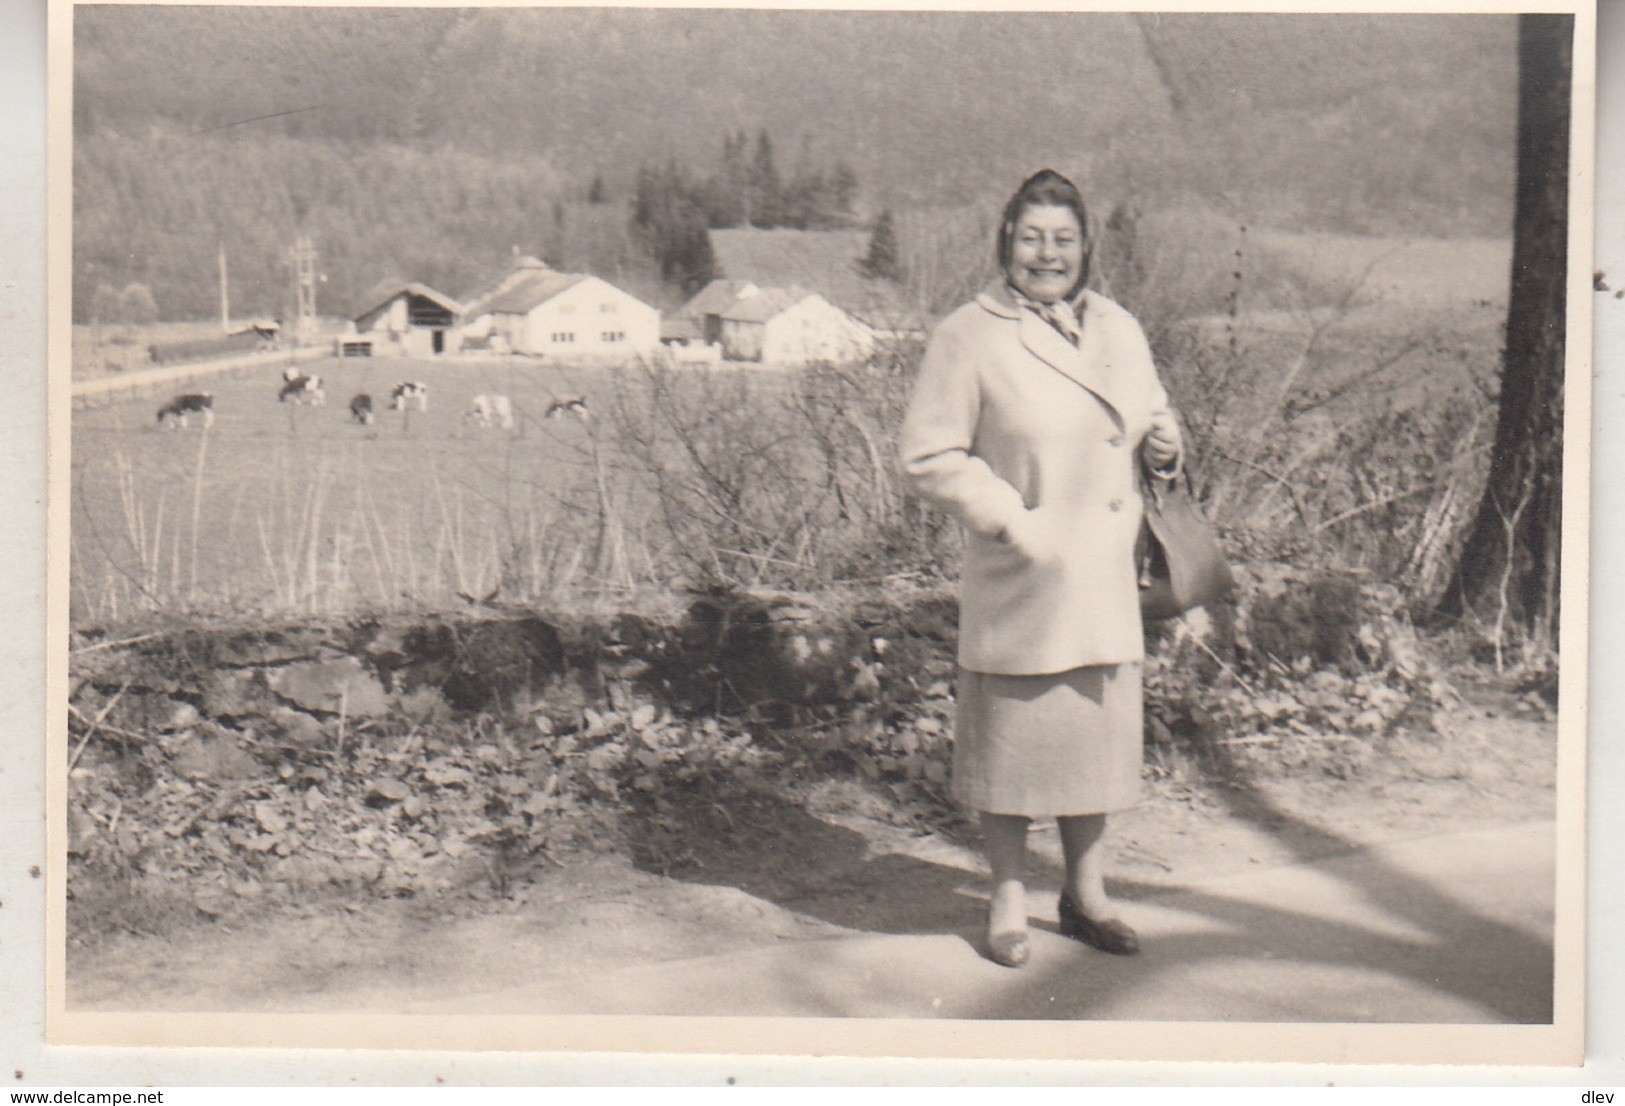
<point>774,850</point>
<point>1452,947</point>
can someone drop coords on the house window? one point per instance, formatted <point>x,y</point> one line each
<point>563,337</point>
<point>607,308</point>
<point>614,336</point>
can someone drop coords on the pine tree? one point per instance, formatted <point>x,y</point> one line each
<point>882,261</point>
<point>669,221</point>
<point>766,195</point>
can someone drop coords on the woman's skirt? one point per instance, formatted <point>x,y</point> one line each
<point>1049,746</point>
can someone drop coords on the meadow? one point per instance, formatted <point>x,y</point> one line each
<point>283,508</point>
<point>1339,404</point>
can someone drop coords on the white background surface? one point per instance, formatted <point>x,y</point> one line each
<point>22,722</point>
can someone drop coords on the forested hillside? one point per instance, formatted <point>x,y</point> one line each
<point>430,143</point>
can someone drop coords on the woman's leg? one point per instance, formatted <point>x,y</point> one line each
<point>1086,913</point>
<point>1082,846</point>
<point>1005,837</point>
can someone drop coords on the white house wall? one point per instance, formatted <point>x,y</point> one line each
<point>418,341</point>
<point>815,330</point>
<point>592,318</point>
<point>390,320</point>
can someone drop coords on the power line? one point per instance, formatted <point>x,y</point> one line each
<point>255,119</point>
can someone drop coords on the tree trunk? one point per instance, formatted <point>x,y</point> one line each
<point>1508,574</point>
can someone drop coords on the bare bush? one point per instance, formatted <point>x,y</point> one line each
<point>1325,429</point>
<point>776,477</point>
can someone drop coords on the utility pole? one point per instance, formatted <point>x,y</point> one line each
<point>225,302</point>
<point>304,289</point>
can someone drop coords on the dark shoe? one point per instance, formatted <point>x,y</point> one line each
<point>1111,935</point>
<point>1008,948</point>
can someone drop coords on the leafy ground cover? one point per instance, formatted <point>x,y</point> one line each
<point>214,772</point>
<point>730,851</point>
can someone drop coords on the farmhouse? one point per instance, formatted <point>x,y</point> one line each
<point>683,333</point>
<point>535,309</point>
<point>411,315</point>
<point>827,261</point>
<point>787,326</point>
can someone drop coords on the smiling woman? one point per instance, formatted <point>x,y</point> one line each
<point>1046,258</point>
<point>1033,412</point>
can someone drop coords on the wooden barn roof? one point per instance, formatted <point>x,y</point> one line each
<point>386,291</point>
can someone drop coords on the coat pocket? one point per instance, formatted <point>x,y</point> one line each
<point>1031,538</point>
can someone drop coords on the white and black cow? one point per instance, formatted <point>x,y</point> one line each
<point>361,408</point>
<point>576,407</point>
<point>303,389</point>
<point>490,409</point>
<point>175,412</point>
<point>408,392</point>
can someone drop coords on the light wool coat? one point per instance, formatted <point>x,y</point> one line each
<point>1032,444</point>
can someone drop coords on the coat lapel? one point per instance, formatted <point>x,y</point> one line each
<point>1084,364</point>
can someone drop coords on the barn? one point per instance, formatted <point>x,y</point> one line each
<point>413,316</point>
<point>540,311</point>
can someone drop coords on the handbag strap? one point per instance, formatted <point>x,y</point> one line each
<point>1154,485</point>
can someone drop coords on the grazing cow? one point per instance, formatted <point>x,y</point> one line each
<point>192,403</point>
<point>407,392</point>
<point>361,408</point>
<point>492,408</point>
<point>577,407</point>
<point>303,389</point>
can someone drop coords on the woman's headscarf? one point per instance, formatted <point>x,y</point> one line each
<point>1047,188</point>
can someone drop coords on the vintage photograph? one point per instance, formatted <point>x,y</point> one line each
<point>1050,521</point>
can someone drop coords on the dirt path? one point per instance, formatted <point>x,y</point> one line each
<point>836,864</point>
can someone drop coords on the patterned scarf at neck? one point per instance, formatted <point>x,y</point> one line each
<point>1066,316</point>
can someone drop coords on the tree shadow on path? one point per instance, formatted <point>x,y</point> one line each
<point>1434,939</point>
<point>774,850</point>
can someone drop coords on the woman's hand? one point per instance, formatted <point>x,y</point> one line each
<point>1164,444</point>
<point>1034,537</point>
<point>1024,534</point>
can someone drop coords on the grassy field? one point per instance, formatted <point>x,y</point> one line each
<point>1347,431</point>
<point>286,507</point>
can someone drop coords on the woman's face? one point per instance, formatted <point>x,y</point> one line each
<point>1046,255</point>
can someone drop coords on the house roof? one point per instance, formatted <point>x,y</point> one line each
<point>763,304</point>
<point>677,328</point>
<point>713,298</point>
<point>826,261</point>
<point>386,291</point>
<point>530,293</point>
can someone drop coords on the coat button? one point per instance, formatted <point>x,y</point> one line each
<point>1115,441</point>
<point>1116,504</point>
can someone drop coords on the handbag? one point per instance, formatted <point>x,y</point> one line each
<point>1181,564</point>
